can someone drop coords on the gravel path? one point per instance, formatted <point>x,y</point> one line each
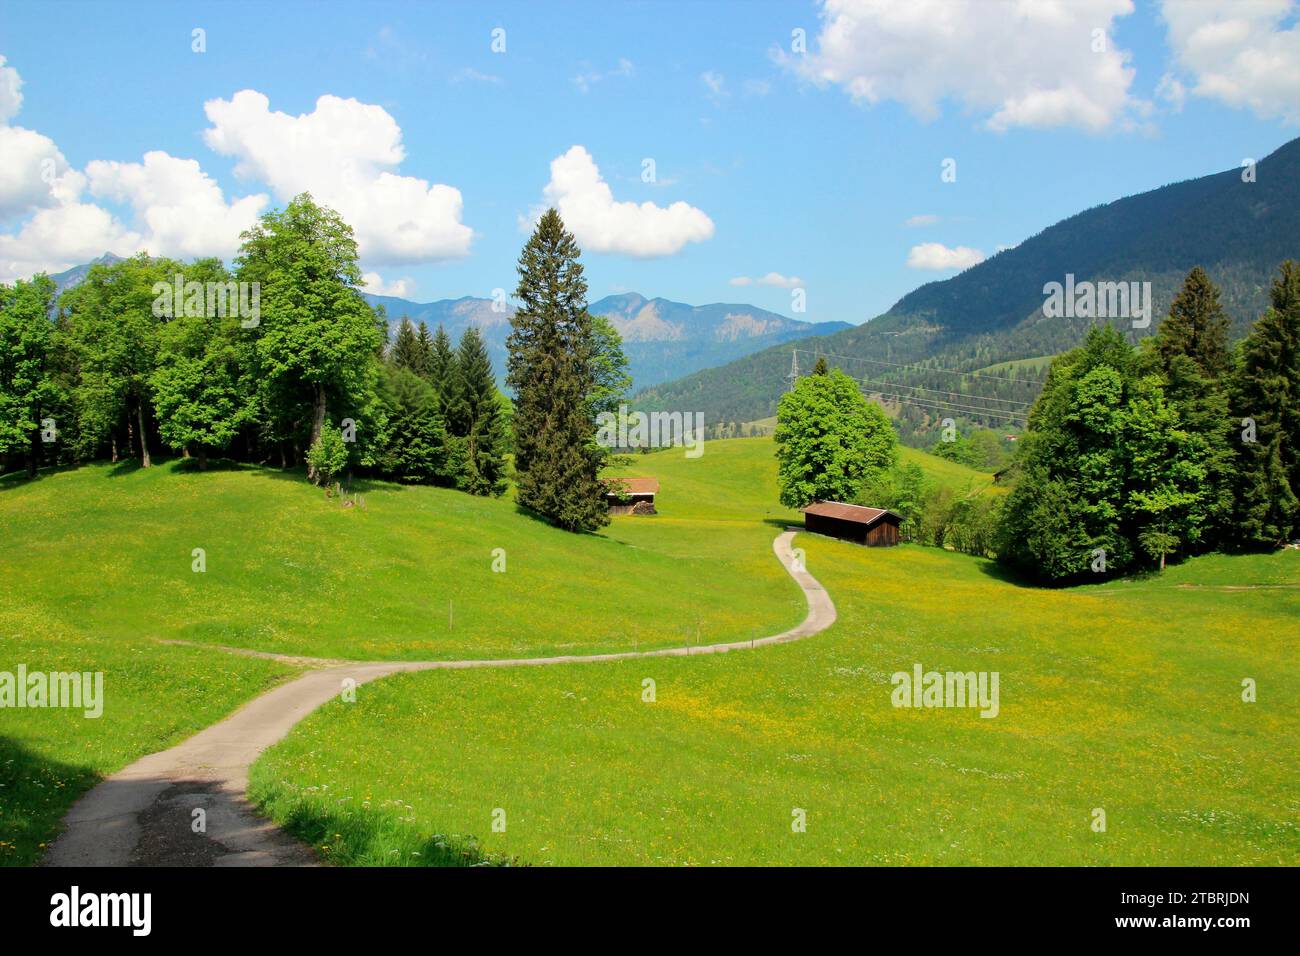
<point>147,813</point>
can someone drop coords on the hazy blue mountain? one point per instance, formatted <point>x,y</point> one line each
<point>663,339</point>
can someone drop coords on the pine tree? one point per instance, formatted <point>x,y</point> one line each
<point>474,416</point>
<point>1189,351</point>
<point>423,353</point>
<point>442,369</point>
<point>549,368</point>
<point>1266,402</point>
<point>820,368</point>
<point>1197,326</point>
<point>405,352</point>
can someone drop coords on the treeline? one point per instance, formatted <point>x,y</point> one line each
<point>1179,446</point>
<point>279,361</point>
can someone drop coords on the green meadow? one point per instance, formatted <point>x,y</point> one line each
<point>1124,696</point>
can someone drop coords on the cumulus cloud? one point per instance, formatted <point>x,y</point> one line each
<point>345,154</point>
<point>938,257</point>
<point>401,288</point>
<point>602,224</point>
<point>11,97</point>
<point>180,209</point>
<point>177,209</point>
<point>772,278</point>
<point>1017,63</point>
<point>1236,52</point>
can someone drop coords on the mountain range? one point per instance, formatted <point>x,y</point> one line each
<point>662,339</point>
<point>1239,225</point>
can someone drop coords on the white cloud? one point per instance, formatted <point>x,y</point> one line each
<point>716,86</point>
<point>740,280</point>
<point>936,256</point>
<point>344,152</point>
<point>772,278</point>
<point>401,288</point>
<point>1236,52</point>
<point>1016,62</point>
<point>470,75</point>
<point>179,207</point>
<point>602,224</point>
<point>11,97</point>
<point>585,81</point>
<point>926,219</point>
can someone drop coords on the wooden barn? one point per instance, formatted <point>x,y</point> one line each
<point>874,527</point>
<point>632,496</point>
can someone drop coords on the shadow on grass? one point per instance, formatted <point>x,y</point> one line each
<point>11,481</point>
<point>35,792</point>
<point>370,837</point>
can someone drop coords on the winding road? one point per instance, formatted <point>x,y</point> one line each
<point>147,813</point>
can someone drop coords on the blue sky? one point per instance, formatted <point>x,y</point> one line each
<point>781,167</point>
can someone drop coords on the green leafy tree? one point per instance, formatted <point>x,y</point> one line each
<point>318,338</point>
<point>830,440</point>
<point>26,387</point>
<point>112,328</point>
<point>610,377</point>
<point>557,459</point>
<point>475,417</point>
<point>202,387</point>
<point>1266,402</point>
<point>328,456</point>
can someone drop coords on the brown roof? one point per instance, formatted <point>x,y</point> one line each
<point>636,486</point>
<point>858,514</point>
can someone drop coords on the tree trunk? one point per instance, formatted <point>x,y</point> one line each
<point>284,459</point>
<point>203,458</point>
<point>144,441</point>
<point>31,456</point>
<point>112,444</point>
<point>1162,561</point>
<point>317,426</point>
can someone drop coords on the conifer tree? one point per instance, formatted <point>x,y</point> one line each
<point>1266,403</point>
<point>406,350</point>
<point>1190,352</point>
<point>549,368</point>
<point>474,416</point>
<point>442,368</point>
<point>423,353</point>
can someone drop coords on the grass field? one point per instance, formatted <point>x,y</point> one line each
<point>1124,697</point>
<point>97,566</point>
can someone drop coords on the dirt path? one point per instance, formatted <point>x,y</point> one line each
<point>147,813</point>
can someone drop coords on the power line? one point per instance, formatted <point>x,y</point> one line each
<point>925,368</point>
<point>959,395</point>
<point>933,406</point>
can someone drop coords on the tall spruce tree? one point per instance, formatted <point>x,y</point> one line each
<point>475,417</point>
<point>423,353</point>
<point>556,456</point>
<point>442,368</point>
<point>1190,352</point>
<point>1266,404</point>
<point>405,352</point>
<point>1196,327</point>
